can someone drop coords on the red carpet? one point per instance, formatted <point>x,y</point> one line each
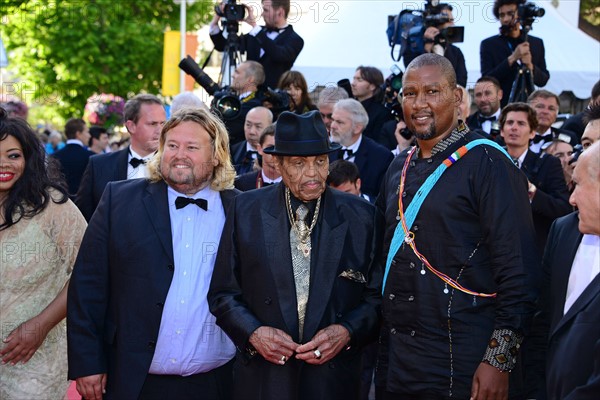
<point>72,393</point>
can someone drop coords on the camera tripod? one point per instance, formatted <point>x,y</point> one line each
<point>522,86</point>
<point>231,54</point>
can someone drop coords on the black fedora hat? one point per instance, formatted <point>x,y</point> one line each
<point>301,135</point>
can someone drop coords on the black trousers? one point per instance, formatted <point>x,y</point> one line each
<point>216,384</point>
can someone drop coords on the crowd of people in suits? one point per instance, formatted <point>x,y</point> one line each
<point>315,252</point>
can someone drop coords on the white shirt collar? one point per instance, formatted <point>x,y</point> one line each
<point>354,146</point>
<point>266,179</point>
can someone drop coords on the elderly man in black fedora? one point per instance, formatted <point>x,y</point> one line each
<point>295,285</point>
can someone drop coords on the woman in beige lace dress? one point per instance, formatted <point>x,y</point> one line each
<point>40,232</point>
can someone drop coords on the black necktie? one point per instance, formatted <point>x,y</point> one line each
<point>267,184</point>
<point>347,151</point>
<point>539,138</point>
<point>135,162</point>
<point>181,202</point>
<point>482,118</point>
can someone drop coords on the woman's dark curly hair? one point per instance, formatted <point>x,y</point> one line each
<point>29,195</point>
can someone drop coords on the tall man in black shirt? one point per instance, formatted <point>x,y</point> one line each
<point>457,289</point>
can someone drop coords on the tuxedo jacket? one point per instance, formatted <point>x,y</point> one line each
<point>551,199</point>
<point>101,169</point>
<point>279,54</point>
<point>73,160</point>
<point>119,286</point>
<point>372,160</point>
<point>241,164</point>
<point>253,285</point>
<point>494,52</point>
<point>473,123</point>
<point>573,355</point>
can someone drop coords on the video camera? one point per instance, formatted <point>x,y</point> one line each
<point>528,12</point>
<point>406,29</point>
<point>231,11</point>
<point>232,14</point>
<point>225,102</point>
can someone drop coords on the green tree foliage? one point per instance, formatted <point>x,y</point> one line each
<point>62,52</point>
<point>589,21</point>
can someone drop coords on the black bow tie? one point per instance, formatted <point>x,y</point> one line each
<point>135,162</point>
<point>539,138</point>
<point>270,29</point>
<point>482,118</point>
<point>347,151</point>
<point>250,154</point>
<point>181,202</point>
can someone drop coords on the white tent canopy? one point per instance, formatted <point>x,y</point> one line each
<point>341,35</point>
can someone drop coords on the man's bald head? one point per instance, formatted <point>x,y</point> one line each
<point>257,120</point>
<point>431,59</point>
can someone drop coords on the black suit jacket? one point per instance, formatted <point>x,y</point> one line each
<point>573,339</point>
<point>551,199</point>
<point>372,160</point>
<point>253,285</point>
<point>378,116</point>
<point>494,52</point>
<point>73,160</point>
<point>119,285</point>
<point>279,55</point>
<point>101,169</point>
<point>575,124</point>
<point>246,181</point>
<point>474,124</point>
<point>241,164</point>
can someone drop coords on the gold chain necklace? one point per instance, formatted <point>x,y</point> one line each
<point>303,246</point>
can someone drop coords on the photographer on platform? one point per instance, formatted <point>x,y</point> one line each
<point>503,55</point>
<point>275,45</point>
<point>436,42</point>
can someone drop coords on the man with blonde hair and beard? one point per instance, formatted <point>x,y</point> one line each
<point>138,320</point>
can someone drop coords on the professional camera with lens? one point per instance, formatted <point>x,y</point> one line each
<point>231,11</point>
<point>276,100</point>
<point>392,87</point>
<point>225,102</point>
<point>528,12</point>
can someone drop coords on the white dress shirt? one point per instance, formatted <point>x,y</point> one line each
<point>586,266</point>
<point>354,147</point>
<point>537,147</point>
<point>142,170</point>
<point>189,341</point>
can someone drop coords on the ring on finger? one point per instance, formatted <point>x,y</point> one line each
<point>317,354</point>
<point>283,359</point>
